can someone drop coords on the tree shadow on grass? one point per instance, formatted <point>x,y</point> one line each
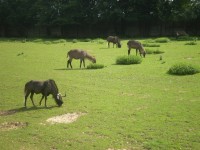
<point>22,109</point>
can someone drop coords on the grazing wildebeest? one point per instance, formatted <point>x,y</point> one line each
<point>114,40</point>
<point>180,33</point>
<point>79,54</point>
<point>45,88</point>
<point>137,45</point>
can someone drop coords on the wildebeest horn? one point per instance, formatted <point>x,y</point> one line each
<point>64,95</point>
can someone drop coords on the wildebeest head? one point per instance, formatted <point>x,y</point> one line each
<point>94,60</point>
<point>58,99</point>
<point>119,45</point>
<point>144,53</point>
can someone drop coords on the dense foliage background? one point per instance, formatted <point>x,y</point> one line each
<point>95,18</point>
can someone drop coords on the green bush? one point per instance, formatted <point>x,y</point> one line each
<point>151,45</point>
<point>95,66</point>
<point>158,52</point>
<point>86,40</point>
<point>74,41</point>
<point>38,40</point>
<point>183,69</point>
<point>191,43</point>
<point>127,60</point>
<point>98,41</point>
<point>162,40</point>
<point>58,41</point>
<point>150,51</point>
<point>47,42</point>
<point>185,38</point>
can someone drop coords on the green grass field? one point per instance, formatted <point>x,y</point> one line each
<point>130,107</point>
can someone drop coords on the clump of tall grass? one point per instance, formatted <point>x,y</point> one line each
<point>38,40</point>
<point>86,40</point>
<point>98,41</point>
<point>183,69</point>
<point>185,38</point>
<point>191,43</point>
<point>95,66</point>
<point>59,41</point>
<point>74,41</point>
<point>150,45</point>
<point>127,60</point>
<point>47,42</point>
<point>150,51</point>
<point>162,40</point>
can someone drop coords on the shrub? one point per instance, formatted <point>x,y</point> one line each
<point>150,51</point>
<point>38,40</point>
<point>58,41</point>
<point>162,40</point>
<point>95,66</point>
<point>47,42</point>
<point>151,45</point>
<point>158,52</point>
<point>86,40</point>
<point>185,38</point>
<point>191,43</point>
<point>98,41</point>
<point>127,60</point>
<point>74,41</point>
<point>183,69</point>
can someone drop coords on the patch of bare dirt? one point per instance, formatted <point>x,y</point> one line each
<point>7,112</point>
<point>65,118</point>
<point>6,126</point>
<point>188,58</point>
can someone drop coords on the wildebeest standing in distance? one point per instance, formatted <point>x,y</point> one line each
<point>79,54</point>
<point>114,40</point>
<point>136,45</point>
<point>180,33</point>
<point>45,88</point>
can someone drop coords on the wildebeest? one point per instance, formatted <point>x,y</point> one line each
<point>180,33</point>
<point>79,54</point>
<point>114,40</point>
<point>137,45</point>
<point>45,88</point>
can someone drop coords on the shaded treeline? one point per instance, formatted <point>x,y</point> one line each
<point>98,18</point>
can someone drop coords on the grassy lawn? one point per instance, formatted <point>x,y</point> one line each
<point>128,107</point>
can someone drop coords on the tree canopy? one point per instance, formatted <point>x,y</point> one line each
<point>118,14</point>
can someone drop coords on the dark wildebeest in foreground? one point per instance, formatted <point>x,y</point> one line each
<point>136,45</point>
<point>79,54</point>
<point>45,88</point>
<point>114,40</point>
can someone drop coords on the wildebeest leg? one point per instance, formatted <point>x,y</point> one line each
<point>45,101</point>
<point>41,99</point>
<point>32,93</point>
<point>129,50</point>
<point>80,62</point>
<point>84,63</point>
<point>25,98</point>
<point>136,51</point>
<point>69,62</point>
